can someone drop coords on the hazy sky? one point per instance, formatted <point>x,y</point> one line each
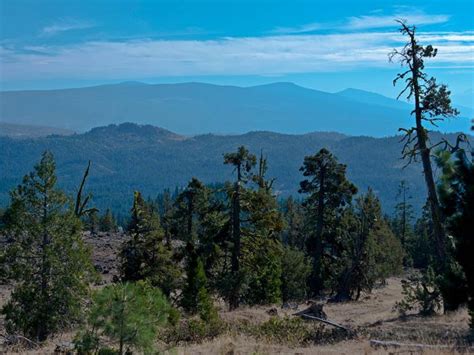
<point>328,45</point>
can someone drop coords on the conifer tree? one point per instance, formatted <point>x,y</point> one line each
<point>145,256</point>
<point>457,197</point>
<point>127,315</point>
<point>432,103</point>
<point>243,162</point>
<point>370,251</point>
<point>328,191</point>
<point>107,222</point>
<point>294,234</point>
<point>261,241</point>
<point>46,257</point>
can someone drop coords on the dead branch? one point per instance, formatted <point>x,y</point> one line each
<point>307,316</point>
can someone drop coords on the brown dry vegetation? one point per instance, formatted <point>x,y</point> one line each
<point>372,318</point>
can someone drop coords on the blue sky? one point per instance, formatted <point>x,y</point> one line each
<point>319,44</point>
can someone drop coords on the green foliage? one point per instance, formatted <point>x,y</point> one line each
<point>402,223</point>
<point>420,293</point>
<point>370,252</point>
<point>328,192</point>
<point>261,247</point>
<point>128,315</point>
<point>294,233</point>
<point>296,268</point>
<point>45,257</point>
<point>195,296</point>
<point>292,331</point>
<point>457,197</point>
<point>107,222</point>
<point>145,256</point>
<point>192,330</point>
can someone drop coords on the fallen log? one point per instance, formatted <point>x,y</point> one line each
<point>395,344</point>
<point>307,316</point>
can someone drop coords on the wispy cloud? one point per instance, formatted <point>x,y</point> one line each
<point>268,55</point>
<point>64,25</point>
<point>384,21</point>
<point>376,20</point>
<point>310,27</point>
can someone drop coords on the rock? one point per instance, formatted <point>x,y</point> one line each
<point>273,312</point>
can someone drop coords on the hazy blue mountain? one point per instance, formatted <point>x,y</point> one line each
<point>129,157</point>
<point>196,108</point>
<point>28,131</point>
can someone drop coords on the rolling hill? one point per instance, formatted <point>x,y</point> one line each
<point>130,157</point>
<point>197,108</point>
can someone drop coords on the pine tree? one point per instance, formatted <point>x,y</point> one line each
<point>243,162</point>
<point>457,197</point>
<point>293,234</point>
<point>107,222</point>
<point>145,256</point>
<point>127,315</point>
<point>402,223</point>
<point>432,103</point>
<point>296,268</point>
<point>370,251</point>
<point>261,252</point>
<point>328,191</point>
<point>46,256</point>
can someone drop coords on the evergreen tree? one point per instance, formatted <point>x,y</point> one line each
<point>92,222</point>
<point>432,103</point>
<point>457,197</point>
<point>243,162</point>
<point>370,251</point>
<point>45,256</point>
<point>328,191</point>
<point>296,268</point>
<point>420,247</point>
<point>402,224</point>
<point>107,222</point>
<point>261,241</point>
<point>294,233</point>
<point>127,315</point>
<point>145,256</point>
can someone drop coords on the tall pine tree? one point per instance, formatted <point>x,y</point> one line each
<point>45,256</point>
<point>327,191</point>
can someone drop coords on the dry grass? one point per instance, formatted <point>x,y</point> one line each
<point>373,318</point>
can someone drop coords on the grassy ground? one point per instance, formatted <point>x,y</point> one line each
<point>372,317</point>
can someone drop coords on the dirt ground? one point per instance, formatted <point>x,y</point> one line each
<point>372,316</point>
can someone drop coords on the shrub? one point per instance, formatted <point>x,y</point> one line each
<point>128,314</point>
<point>421,293</point>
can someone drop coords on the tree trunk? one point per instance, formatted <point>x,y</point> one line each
<point>436,214</point>
<point>42,331</point>
<point>316,284</point>
<point>235,263</point>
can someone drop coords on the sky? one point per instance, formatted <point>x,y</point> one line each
<point>325,45</point>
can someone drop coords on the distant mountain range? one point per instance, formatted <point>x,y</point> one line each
<point>197,108</point>
<point>130,157</point>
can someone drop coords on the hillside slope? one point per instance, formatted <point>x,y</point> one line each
<point>129,157</point>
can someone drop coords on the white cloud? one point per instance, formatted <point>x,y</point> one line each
<point>269,55</point>
<point>65,25</point>
<point>310,27</point>
<point>383,21</point>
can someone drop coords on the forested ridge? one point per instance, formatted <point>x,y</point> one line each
<point>131,157</point>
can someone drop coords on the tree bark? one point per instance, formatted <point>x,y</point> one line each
<point>235,263</point>
<point>436,214</point>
